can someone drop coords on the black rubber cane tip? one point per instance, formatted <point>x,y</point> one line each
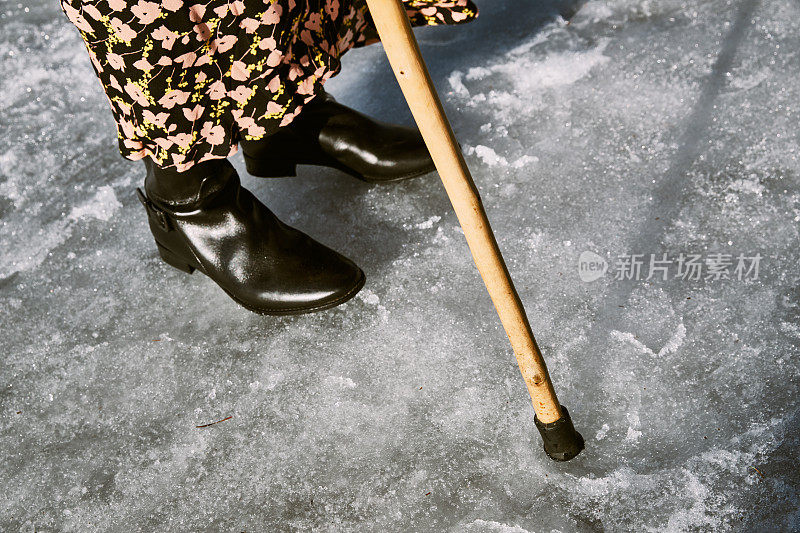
<point>561,441</point>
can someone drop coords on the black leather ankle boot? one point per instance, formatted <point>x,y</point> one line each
<point>203,219</point>
<point>326,133</point>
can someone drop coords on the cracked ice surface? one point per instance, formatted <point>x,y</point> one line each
<point>642,127</point>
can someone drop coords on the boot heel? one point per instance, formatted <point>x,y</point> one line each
<point>173,260</point>
<point>266,167</point>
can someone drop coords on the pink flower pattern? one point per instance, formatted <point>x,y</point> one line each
<point>187,79</point>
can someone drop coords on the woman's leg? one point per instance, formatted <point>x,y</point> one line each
<point>329,134</point>
<point>203,219</point>
<point>186,81</point>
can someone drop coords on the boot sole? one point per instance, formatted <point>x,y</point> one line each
<point>277,168</point>
<point>174,261</point>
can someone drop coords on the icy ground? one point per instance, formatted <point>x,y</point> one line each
<point>643,127</point>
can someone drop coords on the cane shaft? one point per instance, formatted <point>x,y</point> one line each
<point>404,56</point>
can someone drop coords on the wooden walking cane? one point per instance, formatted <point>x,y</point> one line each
<point>561,441</point>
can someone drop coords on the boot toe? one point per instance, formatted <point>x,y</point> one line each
<point>330,294</point>
<point>406,158</point>
<point>318,279</point>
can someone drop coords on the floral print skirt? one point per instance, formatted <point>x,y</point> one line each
<point>187,79</point>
